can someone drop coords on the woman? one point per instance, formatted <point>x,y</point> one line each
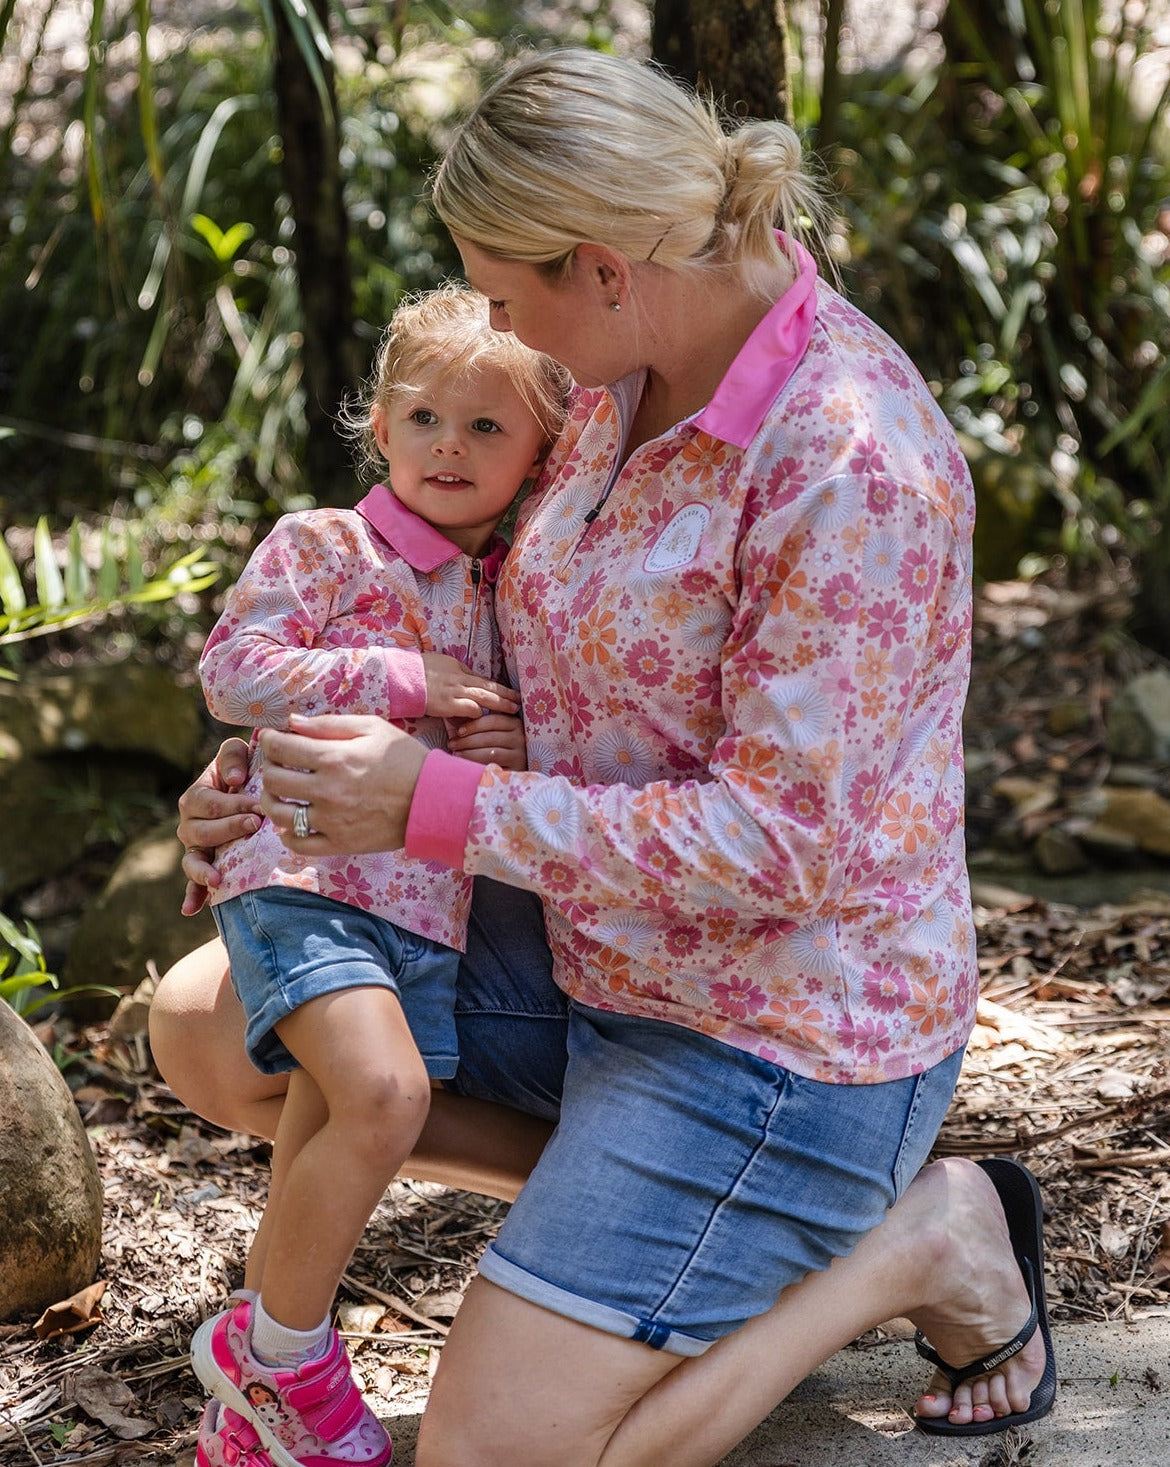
<point>738,617</point>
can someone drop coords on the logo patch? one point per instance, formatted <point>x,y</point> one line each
<point>679,541</point>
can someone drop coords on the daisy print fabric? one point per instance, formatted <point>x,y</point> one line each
<point>332,614</point>
<point>743,680</point>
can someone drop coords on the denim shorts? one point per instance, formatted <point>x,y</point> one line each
<point>288,946</point>
<point>687,1182</point>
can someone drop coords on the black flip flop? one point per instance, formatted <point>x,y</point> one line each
<point>1024,1209</point>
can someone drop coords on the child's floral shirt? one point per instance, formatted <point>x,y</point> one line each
<point>743,658</point>
<point>332,615</point>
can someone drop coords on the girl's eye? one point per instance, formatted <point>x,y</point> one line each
<point>486,425</point>
<point>423,417</point>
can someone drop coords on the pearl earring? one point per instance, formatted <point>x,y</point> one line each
<point>615,305</point>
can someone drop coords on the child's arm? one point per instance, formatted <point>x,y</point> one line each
<point>267,656</point>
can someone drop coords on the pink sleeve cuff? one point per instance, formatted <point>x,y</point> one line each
<point>440,811</point>
<point>406,682</point>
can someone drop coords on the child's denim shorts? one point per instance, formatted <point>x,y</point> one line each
<point>687,1182</point>
<point>288,946</point>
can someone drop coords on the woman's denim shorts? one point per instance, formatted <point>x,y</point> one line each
<point>687,1182</point>
<point>288,946</point>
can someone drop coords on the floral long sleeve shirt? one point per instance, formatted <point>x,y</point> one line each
<point>743,657</point>
<point>332,614</point>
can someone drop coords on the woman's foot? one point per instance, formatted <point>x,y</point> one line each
<point>982,1302</point>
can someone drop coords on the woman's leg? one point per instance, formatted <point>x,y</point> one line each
<point>521,1386</point>
<point>197,1040</point>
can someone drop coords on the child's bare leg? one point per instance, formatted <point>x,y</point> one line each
<point>356,1049</point>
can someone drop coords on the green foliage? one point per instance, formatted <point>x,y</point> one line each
<point>82,593</point>
<point>23,973</point>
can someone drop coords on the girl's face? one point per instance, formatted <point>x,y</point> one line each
<point>570,320</point>
<point>458,449</point>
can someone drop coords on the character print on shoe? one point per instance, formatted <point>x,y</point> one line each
<point>312,1415</point>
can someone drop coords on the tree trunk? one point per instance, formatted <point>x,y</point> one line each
<point>733,50</point>
<point>312,177</point>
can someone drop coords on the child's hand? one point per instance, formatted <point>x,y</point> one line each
<point>453,692</point>
<point>496,738</point>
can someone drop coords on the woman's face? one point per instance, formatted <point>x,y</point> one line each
<point>568,319</point>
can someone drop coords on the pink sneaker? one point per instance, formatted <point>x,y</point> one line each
<point>313,1416</point>
<point>227,1440</point>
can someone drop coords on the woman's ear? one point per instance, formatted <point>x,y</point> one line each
<point>606,269</point>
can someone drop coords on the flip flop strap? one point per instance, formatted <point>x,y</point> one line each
<point>957,1374</point>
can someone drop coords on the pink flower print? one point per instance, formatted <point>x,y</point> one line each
<point>350,886</point>
<point>905,821</point>
<point>343,686</point>
<point>648,663</point>
<point>378,604</point>
<point>885,988</point>
<point>918,574</point>
<point>840,599</point>
<point>785,482</point>
<point>870,1039</point>
<point>681,942</point>
<point>865,790</point>
<point>557,876</point>
<point>887,622</point>
<point>804,803</point>
<point>297,630</point>
<point>868,459</point>
<point>897,897</point>
<point>738,997</point>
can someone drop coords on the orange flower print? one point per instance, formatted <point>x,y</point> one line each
<point>701,457</point>
<point>905,822</point>
<point>928,1005</point>
<point>672,609</point>
<point>597,635</point>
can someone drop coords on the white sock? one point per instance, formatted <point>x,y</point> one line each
<point>274,1343</point>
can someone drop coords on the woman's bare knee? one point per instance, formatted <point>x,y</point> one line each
<point>197,1040</point>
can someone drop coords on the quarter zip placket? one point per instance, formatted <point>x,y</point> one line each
<point>476,578</point>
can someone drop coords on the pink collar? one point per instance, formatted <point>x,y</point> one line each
<point>422,546</point>
<point>765,362</point>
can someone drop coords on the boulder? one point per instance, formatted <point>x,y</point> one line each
<point>1138,719</point>
<point>50,1192</point>
<point>124,706</point>
<point>136,919</point>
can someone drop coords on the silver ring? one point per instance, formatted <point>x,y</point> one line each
<point>300,825</point>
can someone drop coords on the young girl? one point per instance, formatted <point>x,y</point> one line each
<point>346,967</point>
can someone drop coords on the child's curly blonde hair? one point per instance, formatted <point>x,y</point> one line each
<point>447,332</point>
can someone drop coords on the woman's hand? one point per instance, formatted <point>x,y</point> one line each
<point>354,774</point>
<point>211,813</point>
<point>496,738</point>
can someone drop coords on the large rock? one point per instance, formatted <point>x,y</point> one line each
<point>121,706</point>
<point>136,918</point>
<point>1138,718</point>
<point>50,1193</point>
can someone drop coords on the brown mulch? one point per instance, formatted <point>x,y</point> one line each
<point>1068,1070</point>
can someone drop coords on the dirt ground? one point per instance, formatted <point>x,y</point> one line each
<point>1067,1070</point>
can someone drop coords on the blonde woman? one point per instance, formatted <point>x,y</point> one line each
<point>738,612</point>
